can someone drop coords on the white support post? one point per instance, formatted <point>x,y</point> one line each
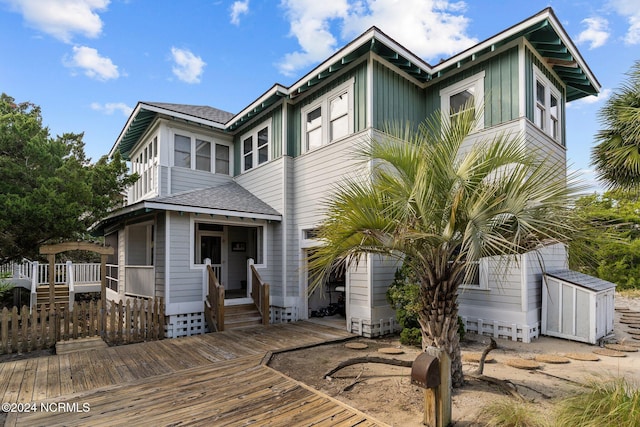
<point>34,284</point>
<point>71,283</point>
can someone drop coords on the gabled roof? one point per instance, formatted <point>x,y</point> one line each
<point>582,280</point>
<point>145,113</point>
<point>543,31</point>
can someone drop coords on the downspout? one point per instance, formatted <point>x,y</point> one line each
<point>285,218</point>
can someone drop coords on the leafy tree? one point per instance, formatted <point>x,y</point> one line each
<point>49,189</point>
<point>616,155</point>
<point>437,205</point>
<point>612,244</point>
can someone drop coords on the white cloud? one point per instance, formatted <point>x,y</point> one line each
<point>310,23</point>
<point>631,10</point>
<point>596,33</point>
<point>188,67</point>
<point>590,100</point>
<point>111,107</point>
<point>94,66</point>
<point>431,28</point>
<point>239,8</point>
<point>63,18</point>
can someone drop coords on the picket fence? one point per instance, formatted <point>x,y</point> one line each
<point>122,323</point>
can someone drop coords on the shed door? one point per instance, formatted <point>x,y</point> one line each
<point>604,314</point>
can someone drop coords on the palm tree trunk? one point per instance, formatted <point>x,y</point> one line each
<point>438,319</point>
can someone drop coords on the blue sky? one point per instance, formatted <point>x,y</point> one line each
<point>88,62</point>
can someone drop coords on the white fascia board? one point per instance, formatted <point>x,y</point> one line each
<point>209,211</point>
<point>372,33</point>
<point>273,91</point>
<point>183,116</point>
<point>545,14</point>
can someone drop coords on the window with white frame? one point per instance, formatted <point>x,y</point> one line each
<point>462,96</point>
<point>546,113</point>
<point>194,152</point>
<point>145,162</point>
<point>255,147</point>
<point>328,119</point>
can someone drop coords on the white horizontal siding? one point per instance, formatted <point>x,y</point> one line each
<point>316,174</point>
<point>185,283</point>
<point>265,182</point>
<point>183,179</point>
<point>383,273</point>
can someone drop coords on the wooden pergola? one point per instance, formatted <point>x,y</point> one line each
<point>52,250</point>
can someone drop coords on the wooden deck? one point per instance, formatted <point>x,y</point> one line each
<point>213,379</point>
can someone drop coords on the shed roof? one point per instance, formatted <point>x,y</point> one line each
<point>582,280</point>
<point>227,197</point>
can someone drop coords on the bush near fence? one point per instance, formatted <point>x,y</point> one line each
<point>123,323</point>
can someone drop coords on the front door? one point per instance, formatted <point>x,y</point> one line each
<point>211,247</point>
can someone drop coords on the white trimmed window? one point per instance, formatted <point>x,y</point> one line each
<point>145,162</point>
<point>546,113</point>
<point>255,147</point>
<point>329,118</point>
<point>195,152</point>
<point>463,95</point>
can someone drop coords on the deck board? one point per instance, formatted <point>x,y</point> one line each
<point>207,379</point>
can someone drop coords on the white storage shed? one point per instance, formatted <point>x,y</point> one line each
<point>577,306</point>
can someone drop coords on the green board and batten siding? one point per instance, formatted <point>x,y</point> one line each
<point>396,100</point>
<point>500,87</point>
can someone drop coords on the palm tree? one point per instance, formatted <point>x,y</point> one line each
<point>617,153</point>
<point>436,204</point>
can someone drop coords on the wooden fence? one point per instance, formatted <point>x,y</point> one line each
<point>122,323</point>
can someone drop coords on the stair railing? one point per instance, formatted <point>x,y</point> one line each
<point>259,292</point>
<point>214,303</point>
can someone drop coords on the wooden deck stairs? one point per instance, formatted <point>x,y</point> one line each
<point>241,316</point>
<point>61,295</point>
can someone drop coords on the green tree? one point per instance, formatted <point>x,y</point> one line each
<point>611,247</point>
<point>437,204</point>
<point>616,154</point>
<point>49,190</point>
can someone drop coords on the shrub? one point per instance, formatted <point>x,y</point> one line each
<point>507,413</point>
<point>604,403</point>
<point>404,296</point>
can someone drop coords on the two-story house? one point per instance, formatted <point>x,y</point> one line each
<point>231,187</point>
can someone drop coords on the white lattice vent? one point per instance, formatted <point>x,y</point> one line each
<point>185,325</point>
<point>372,329</point>
<point>496,329</point>
<point>284,314</point>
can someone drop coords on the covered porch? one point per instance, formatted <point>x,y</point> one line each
<point>166,245</point>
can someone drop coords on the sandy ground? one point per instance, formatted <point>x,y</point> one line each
<point>385,391</point>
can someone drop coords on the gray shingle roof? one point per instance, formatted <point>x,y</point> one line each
<point>199,111</point>
<point>582,280</point>
<point>229,197</point>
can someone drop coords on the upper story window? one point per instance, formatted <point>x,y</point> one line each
<point>462,96</point>
<point>198,153</point>
<point>144,162</point>
<point>255,147</point>
<point>328,119</point>
<point>546,113</point>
